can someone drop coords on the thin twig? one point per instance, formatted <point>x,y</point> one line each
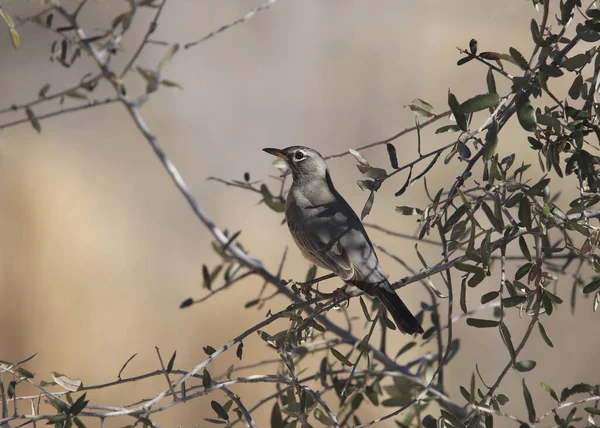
<point>429,121</point>
<point>240,20</point>
<point>151,28</point>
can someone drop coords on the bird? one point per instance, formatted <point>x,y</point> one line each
<point>330,235</point>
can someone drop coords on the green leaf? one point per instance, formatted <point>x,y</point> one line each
<point>276,417</point>
<point>78,405</point>
<point>528,403</point>
<point>465,267</point>
<point>311,274</point>
<point>518,58</point>
<point>322,417</point>
<point>240,350</point>
<point>206,379</point>
<point>228,372</point>
<point>187,302</point>
<point>480,102</point>
<point>33,119</point>
<point>506,338</point>
<point>79,423</point>
<point>491,82</point>
<point>170,84</point>
<point>526,116</point>
<point>405,348</point>
<point>341,358</point>
<point>497,223</point>
<point>372,172</point>
<point>524,248</point>
<point>481,323</point>
<point>172,362</point>
<point>473,46</point>
<point>465,394</point>
<point>463,295</point>
<point>523,270</point>
<point>491,141</point>
<point>525,365</point>
<point>553,297</point>
<point>14,36</point>
<point>219,410</point>
<point>9,21</point>
<point>525,213</point>
<point>592,286</point>
<point>545,335</point>
<point>488,297</point>
<point>368,205</point>
<point>392,155</point>
<point>461,119</point>
<point>463,150</point>
<point>455,217</point>
<point>24,372</point>
<point>76,94</point>
<point>580,388</point>
<point>575,62</point>
<point>166,59</point>
<point>592,410</point>
<point>574,90</point>
<point>447,128</point>
<point>535,33</point>
<point>510,302</point>
<point>252,303</point>
<point>363,305</point>
<point>550,391</point>
<point>551,70</point>
<point>44,90</point>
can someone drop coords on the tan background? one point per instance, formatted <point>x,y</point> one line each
<point>97,248</point>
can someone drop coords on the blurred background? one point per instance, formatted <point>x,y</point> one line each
<point>98,248</point>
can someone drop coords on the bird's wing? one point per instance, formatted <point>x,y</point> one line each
<point>322,250</point>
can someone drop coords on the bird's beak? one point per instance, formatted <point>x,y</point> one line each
<point>278,153</point>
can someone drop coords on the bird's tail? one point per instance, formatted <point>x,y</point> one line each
<point>402,316</point>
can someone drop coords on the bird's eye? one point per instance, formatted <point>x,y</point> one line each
<point>298,155</point>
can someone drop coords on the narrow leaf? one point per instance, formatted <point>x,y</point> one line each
<point>481,323</point>
<point>545,335</point>
<point>480,102</point>
<point>368,205</point>
<point>525,365</point>
<point>340,357</point>
<point>518,58</point>
<point>206,379</point>
<point>461,119</point>
<point>167,57</point>
<point>33,119</point>
<point>172,362</point>
<point>219,410</point>
<point>491,141</point>
<point>392,154</point>
<point>529,403</point>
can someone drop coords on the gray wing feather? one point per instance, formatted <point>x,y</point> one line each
<point>330,255</point>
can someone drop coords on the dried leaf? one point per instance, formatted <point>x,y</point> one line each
<point>68,383</point>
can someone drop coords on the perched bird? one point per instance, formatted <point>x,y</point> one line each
<point>330,234</point>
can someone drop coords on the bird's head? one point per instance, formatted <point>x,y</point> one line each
<point>304,163</point>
